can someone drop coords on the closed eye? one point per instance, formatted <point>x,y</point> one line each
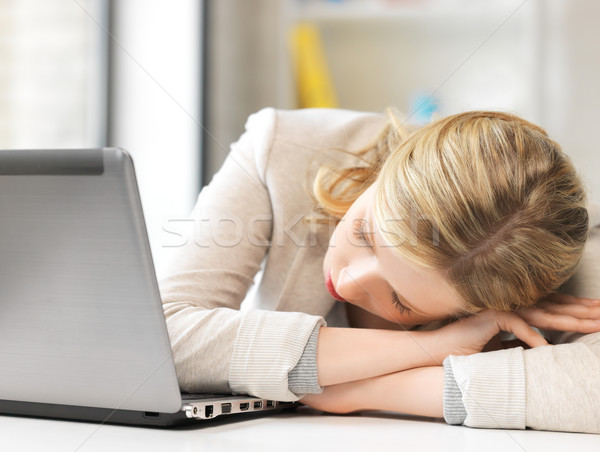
<point>403,309</point>
<point>359,233</point>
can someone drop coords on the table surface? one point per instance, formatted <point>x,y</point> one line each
<point>303,429</point>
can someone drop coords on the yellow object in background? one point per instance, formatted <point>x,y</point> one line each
<point>314,84</point>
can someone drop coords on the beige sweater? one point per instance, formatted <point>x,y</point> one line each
<point>252,211</point>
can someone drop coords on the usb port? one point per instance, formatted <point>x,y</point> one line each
<point>226,408</point>
<point>270,404</point>
<point>244,406</point>
<point>257,405</point>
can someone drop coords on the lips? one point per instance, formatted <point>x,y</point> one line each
<point>331,289</point>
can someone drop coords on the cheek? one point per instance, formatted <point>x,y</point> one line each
<point>331,255</point>
<point>332,239</point>
<point>338,232</point>
<point>338,241</point>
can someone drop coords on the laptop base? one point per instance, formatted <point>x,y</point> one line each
<point>127,417</point>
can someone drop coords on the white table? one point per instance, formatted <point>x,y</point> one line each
<point>301,430</point>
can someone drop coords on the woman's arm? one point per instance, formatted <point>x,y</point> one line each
<point>550,388</point>
<point>217,252</point>
<point>563,386</point>
<point>416,391</point>
<point>346,354</point>
<point>420,391</point>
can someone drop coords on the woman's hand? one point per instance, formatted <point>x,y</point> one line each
<point>470,335</point>
<point>564,313</point>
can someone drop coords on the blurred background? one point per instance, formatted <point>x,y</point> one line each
<point>174,81</point>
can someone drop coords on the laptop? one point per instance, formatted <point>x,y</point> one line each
<point>82,331</point>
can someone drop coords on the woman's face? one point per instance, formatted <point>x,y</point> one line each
<point>369,275</point>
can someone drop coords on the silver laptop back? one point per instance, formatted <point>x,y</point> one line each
<point>81,321</point>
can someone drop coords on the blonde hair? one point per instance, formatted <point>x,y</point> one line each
<point>486,199</point>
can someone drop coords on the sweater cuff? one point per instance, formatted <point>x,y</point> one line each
<point>493,388</point>
<point>267,347</point>
<point>304,378</point>
<point>454,408</point>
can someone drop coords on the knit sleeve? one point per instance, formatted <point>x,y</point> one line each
<point>216,347</point>
<point>492,387</point>
<point>269,345</point>
<point>563,386</point>
<point>454,408</point>
<point>304,377</point>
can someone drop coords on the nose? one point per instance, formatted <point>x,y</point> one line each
<point>359,281</point>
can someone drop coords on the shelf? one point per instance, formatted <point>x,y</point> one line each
<point>374,10</point>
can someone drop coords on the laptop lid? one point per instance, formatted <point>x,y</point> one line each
<point>81,321</point>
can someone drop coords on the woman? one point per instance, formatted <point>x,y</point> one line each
<point>478,213</point>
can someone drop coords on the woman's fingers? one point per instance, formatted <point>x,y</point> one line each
<point>574,310</point>
<point>564,312</point>
<point>564,298</point>
<point>560,322</point>
<point>512,323</point>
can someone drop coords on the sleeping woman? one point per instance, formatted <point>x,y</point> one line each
<point>393,260</point>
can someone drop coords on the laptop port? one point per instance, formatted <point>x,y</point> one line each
<point>151,414</point>
<point>270,404</point>
<point>257,405</point>
<point>208,411</point>
<point>226,408</point>
<point>244,406</point>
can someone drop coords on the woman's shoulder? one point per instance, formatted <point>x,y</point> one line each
<point>326,116</point>
<point>315,124</point>
<point>312,130</point>
<point>284,142</point>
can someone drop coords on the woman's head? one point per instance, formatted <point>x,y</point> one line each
<point>485,200</point>
<point>490,201</point>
